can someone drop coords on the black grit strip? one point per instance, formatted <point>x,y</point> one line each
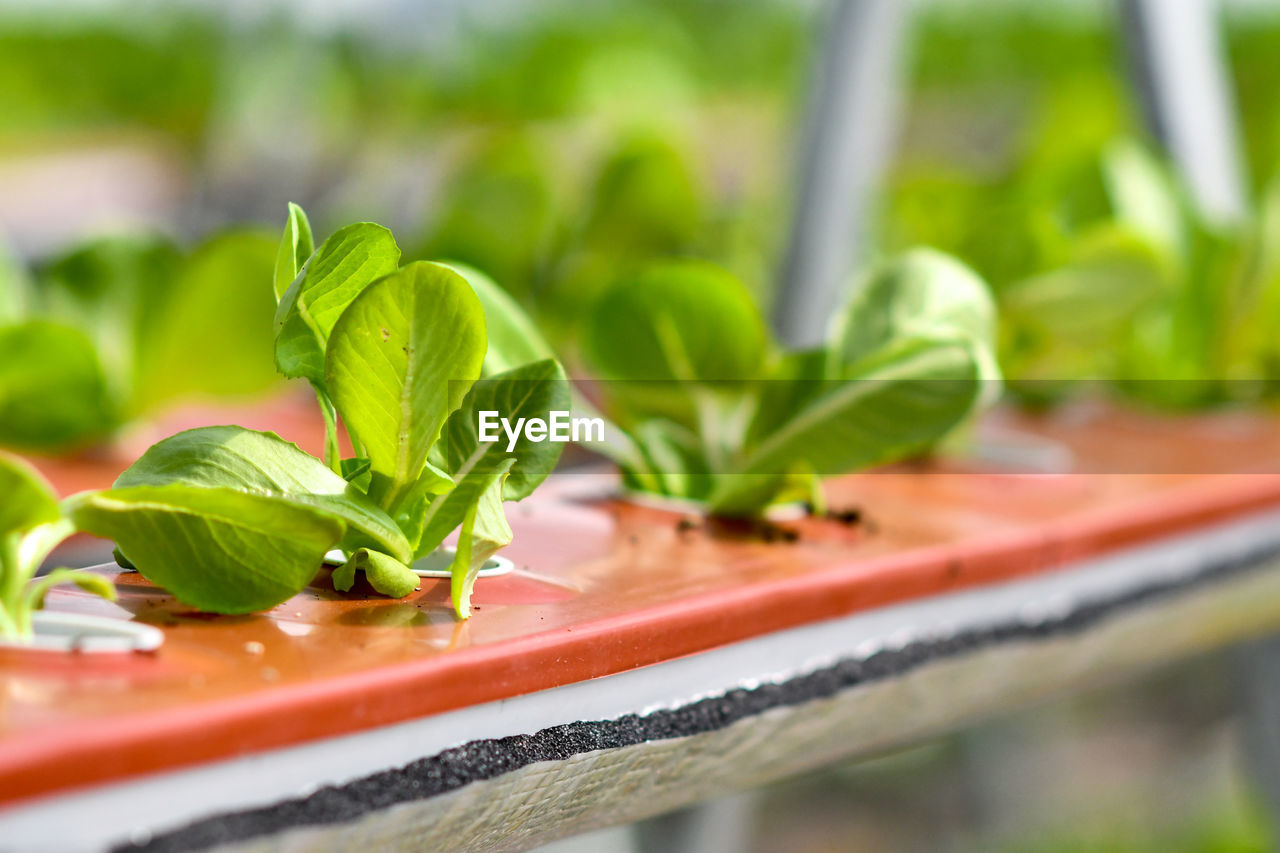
<point>486,759</point>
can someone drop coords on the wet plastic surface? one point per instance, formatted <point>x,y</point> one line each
<point>601,586</point>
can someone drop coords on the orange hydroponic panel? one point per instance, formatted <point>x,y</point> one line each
<point>603,586</point>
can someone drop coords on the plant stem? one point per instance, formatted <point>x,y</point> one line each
<point>356,447</point>
<point>12,580</point>
<point>8,628</point>
<point>817,497</point>
<point>28,551</point>
<point>11,570</point>
<point>332,453</point>
<point>713,427</point>
<point>463,470</point>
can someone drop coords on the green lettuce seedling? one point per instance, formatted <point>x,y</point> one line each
<point>713,412</point>
<point>32,524</point>
<point>1173,308</point>
<point>119,327</point>
<point>231,520</point>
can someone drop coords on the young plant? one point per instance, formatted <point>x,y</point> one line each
<point>117,328</point>
<point>32,524</point>
<point>231,520</point>
<point>1174,309</point>
<point>715,413</point>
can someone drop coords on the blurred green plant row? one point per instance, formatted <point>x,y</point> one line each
<point>1029,164</point>
<point>117,328</point>
<point>582,145</point>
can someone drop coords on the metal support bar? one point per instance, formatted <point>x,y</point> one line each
<point>1180,68</point>
<point>851,124</point>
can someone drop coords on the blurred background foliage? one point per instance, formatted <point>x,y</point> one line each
<point>559,146</point>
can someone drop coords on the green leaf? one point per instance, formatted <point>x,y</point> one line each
<point>212,333</point>
<point>296,245</point>
<point>401,359</point>
<point>685,320</point>
<point>219,550</point>
<point>1113,273</point>
<point>898,403</point>
<point>344,265</point>
<point>22,551</point>
<point>385,574</point>
<point>793,381</point>
<point>344,576</point>
<point>1268,233</point>
<point>498,210</point>
<point>88,581</point>
<point>1146,198</point>
<point>646,201</point>
<point>673,455</point>
<point>673,337</point>
<point>484,532</point>
<point>513,338</point>
<point>411,512</point>
<point>446,512</point>
<point>27,498</point>
<point>532,391</point>
<point>53,393</point>
<point>356,472</point>
<point>262,463</point>
<point>116,290</point>
<point>921,292</point>
<point>38,542</point>
<point>514,341</point>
